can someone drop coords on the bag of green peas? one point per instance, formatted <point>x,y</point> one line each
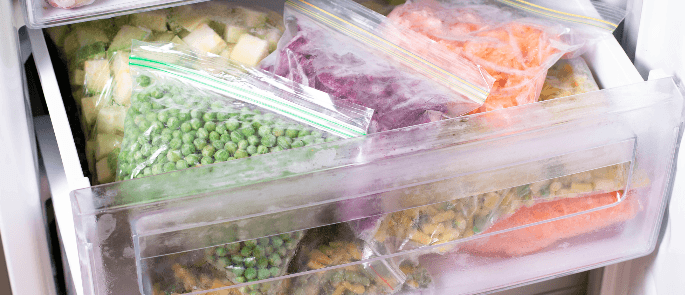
<point>190,108</point>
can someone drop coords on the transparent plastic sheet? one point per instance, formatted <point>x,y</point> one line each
<point>97,54</point>
<point>352,53</point>
<point>383,7</point>
<point>462,218</point>
<point>69,4</point>
<point>514,40</point>
<point>191,108</point>
<point>568,77</point>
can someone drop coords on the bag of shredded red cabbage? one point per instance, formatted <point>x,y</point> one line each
<point>516,41</point>
<point>355,54</point>
<point>192,108</point>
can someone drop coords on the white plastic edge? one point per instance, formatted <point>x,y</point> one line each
<point>67,152</point>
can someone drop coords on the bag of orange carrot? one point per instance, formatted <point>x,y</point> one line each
<point>515,41</point>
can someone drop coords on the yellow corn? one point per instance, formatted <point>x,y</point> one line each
<point>420,237</point>
<point>320,257</point>
<point>581,187</point>
<point>444,216</point>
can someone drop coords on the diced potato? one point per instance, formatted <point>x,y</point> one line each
<point>154,20</point>
<point>184,17</point>
<point>105,144</point>
<point>178,41</point>
<point>89,109</point>
<point>163,37</point>
<point>110,119</point>
<point>104,171</point>
<point>272,37</point>
<point>205,39</point>
<point>250,50</point>
<point>122,88</point>
<point>88,35</point>
<point>123,39</point>
<point>120,62</point>
<point>254,18</point>
<point>96,76</point>
<point>233,33</point>
<point>71,43</point>
<point>77,78</point>
<point>90,154</point>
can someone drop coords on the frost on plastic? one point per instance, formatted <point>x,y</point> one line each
<point>515,41</point>
<point>354,54</point>
<point>189,108</point>
<point>568,77</point>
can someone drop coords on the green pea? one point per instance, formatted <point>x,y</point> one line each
<point>195,124</point>
<point>218,144</point>
<point>137,156</point>
<point>225,137</point>
<point>196,114</point>
<point>157,94</point>
<point>263,241</point>
<point>257,124</point>
<point>276,149</point>
<point>202,133</point>
<point>188,149</point>
<point>258,251</point>
<point>200,143</point>
<point>143,81</point>
<point>284,142</point>
<point>209,116</point>
<point>292,133</point>
<point>222,116</point>
<point>309,139</point>
<point>239,154</point>
<point>176,143</point>
<point>237,259</point>
<point>275,259</point>
<point>163,116</point>
<point>262,149</point>
<point>250,273</point>
<point>192,159</point>
<point>231,158</point>
<point>152,117</point>
<point>157,140</point>
<point>176,134</point>
<point>290,245</point>
<point>214,136</point>
<point>282,252</point>
<point>246,251</point>
<point>208,151</point>
<point>284,237</point>
<point>207,161</point>
<point>269,249</point>
<point>262,262</point>
<point>243,144</point>
<point>231,147</point>
<point>184,116</point>
<point>188,137</point>
<point>170,166</point>
<point>297,144</point>
<point>185,127</point>
<point>253,140</point>
<point>277,131</point>
<point>157,169</point>
<point>251,150</point>
<point>232,125</point>
<point>276,241</point>
<point>247,131</point>
<point>263,274</point>
<point>210,126</point>
<point>275,271</point>
<point>221,155</point>
<point>237,136</point>
<point>173,156</point>
<point>220,252</point>
<point>238,271</point>
<point>145,107</point>
<point>264,130</point>
<point>147,171</point>
<point>221,128</point>
<point>269,140</point>
<point>181,164</point>
<point>304,133</point>
<point>316,133</point>
<point>146,149</point>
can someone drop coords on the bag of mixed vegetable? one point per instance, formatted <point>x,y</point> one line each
<point>351,52</point>
<point>97,54</point>
<point>190,108</point>
<point>516,41</point>
<point>568,77</point>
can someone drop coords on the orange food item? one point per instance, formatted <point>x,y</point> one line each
<point>515,53</point>
<point>534,238</point>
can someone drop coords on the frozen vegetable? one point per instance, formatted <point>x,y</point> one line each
<point>97,53</point>
<point>355,64</point>
<point>514,41</point>
<point>568,77</point>
<point>446,222</point>
<point>68,4</point>
<point>383,7</point>
<point>193,279</point>
<point>255,260</point>
<point>190,109</point>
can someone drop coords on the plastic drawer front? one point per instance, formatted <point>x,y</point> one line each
<point>611,151</point>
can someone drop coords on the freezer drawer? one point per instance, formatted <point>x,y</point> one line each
<point>483,203</point>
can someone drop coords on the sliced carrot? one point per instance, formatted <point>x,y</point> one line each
<point>535,238</point>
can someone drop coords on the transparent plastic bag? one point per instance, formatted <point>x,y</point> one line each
<point>190,108</point>
<point>69,4</point>
<point>335,245</point>
<point>461,218</point>
<point>568,77</point>
<point>514,40</point>
<point>97,52</point>
<point>352,53</point>
<point>383,7</point>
